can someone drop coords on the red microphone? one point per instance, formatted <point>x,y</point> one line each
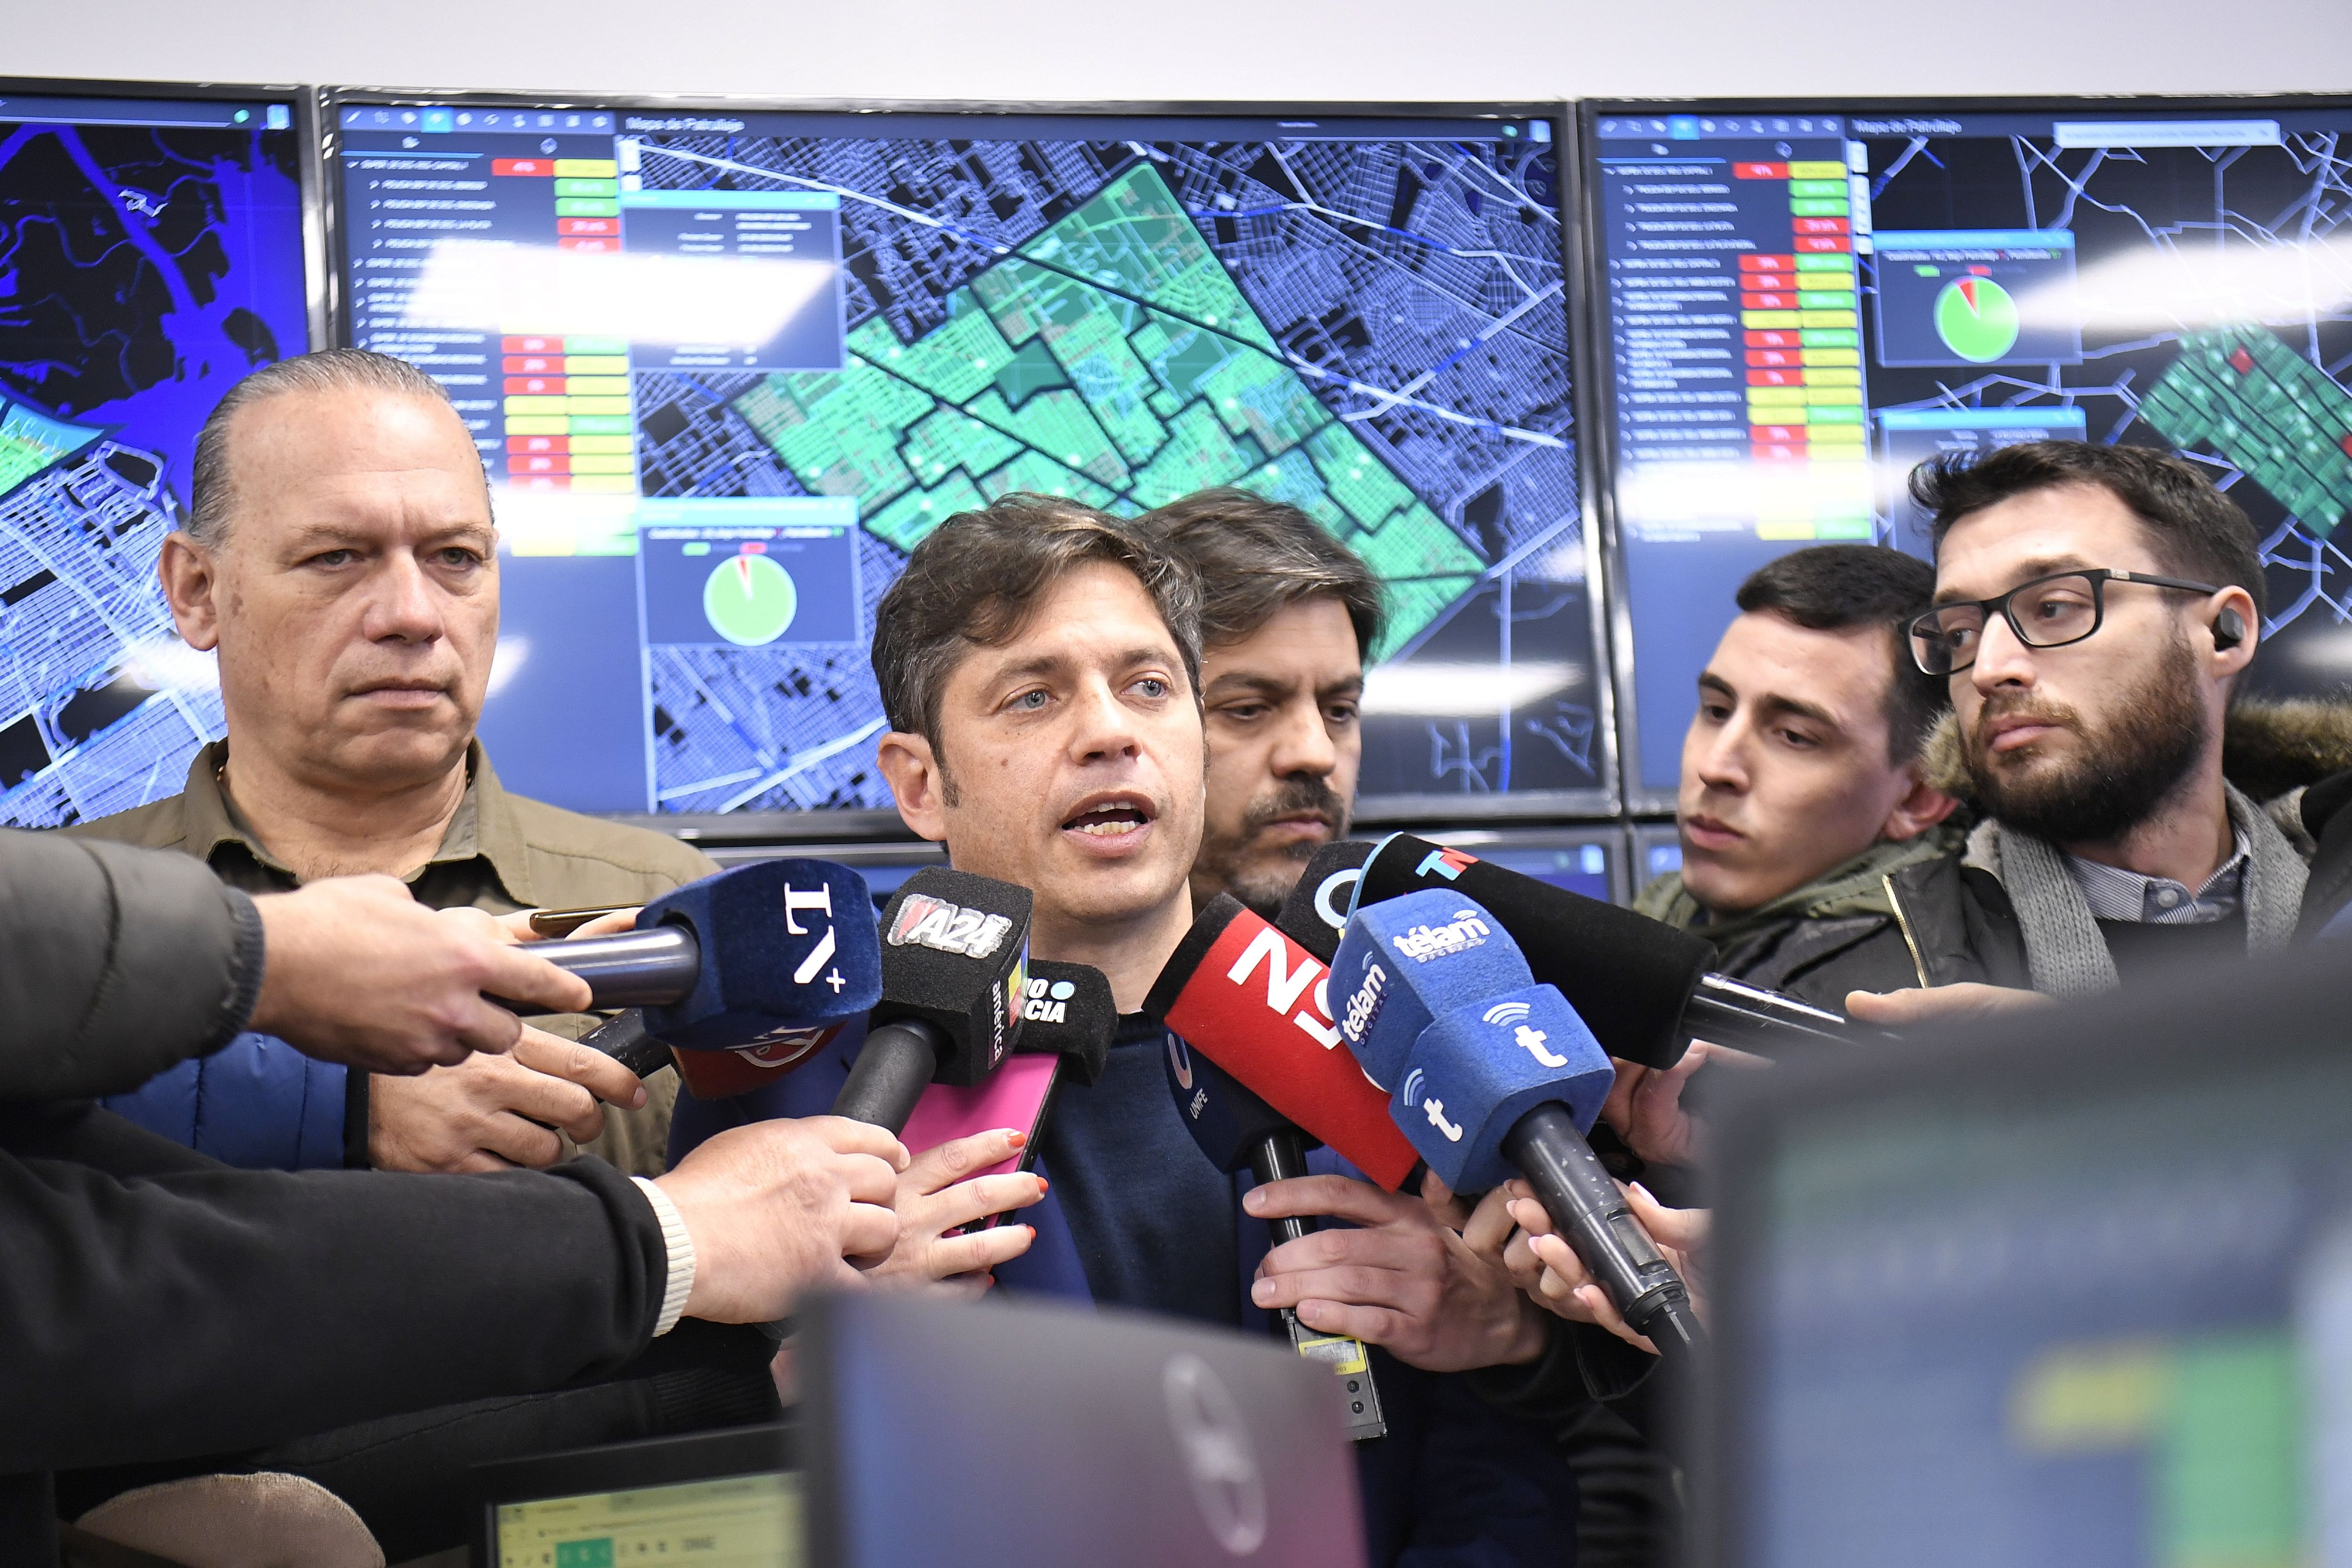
<point>1253,1002</point>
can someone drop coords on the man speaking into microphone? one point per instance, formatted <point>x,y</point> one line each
<point>1039,665</point>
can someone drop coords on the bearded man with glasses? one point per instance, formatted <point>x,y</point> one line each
<point>2095,608</point>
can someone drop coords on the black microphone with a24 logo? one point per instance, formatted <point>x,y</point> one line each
<point>955,951</point>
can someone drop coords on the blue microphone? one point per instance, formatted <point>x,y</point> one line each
<point>1488,1073</point>
<point>763,952</point>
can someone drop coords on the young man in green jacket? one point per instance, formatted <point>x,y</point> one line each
<point>1804,782</point>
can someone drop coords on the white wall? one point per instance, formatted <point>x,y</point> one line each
<point>1301,49</point>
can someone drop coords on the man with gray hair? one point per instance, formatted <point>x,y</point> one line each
<point>342,560</point>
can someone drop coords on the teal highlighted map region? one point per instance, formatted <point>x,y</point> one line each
<point>2242,392</point>
<point>30,441</point>
<point>1112,360</point>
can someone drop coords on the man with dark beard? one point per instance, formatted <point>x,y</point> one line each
<point>2095,607</point>
<point>1288,615</point>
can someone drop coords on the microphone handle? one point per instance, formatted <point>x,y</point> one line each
<point>1725,1011</point>
<point>1279,1156</point>
<point>1594,1219</point>
<point>628,969</point>
<point>893,1067</point>
<point>627,1041</point>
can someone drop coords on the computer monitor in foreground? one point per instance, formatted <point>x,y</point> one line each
<point>151,255</point>
<point>719,1498</point>
<point>1802,299</point>
<point>1042,1436</point>
<point>2061,1288</point>
<point>729,366</point>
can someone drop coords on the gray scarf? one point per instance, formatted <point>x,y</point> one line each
<point>2063,949</point>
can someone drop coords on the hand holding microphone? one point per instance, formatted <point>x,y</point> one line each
<point>356,971</point>
<point>939,1202</point>
<point>952,1199</point>
<point>778,1208</point>
<point>1253,1063</point>
<point>492,1113</point>
<point>1489,1072</point>
<point>1544,1265</point>
<point>1405,1279</point>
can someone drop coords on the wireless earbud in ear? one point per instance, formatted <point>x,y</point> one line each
<point>2228,630</point>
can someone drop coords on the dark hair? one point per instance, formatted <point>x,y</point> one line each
<point>212,485</point>
<point>978,577</point>
<point>2194,529</point>
<point>1830,587</point>
<point>1256,555</point>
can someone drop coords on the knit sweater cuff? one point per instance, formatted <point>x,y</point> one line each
<point>680,1244</point>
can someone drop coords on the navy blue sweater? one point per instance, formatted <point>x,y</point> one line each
<point>1138,1217</point>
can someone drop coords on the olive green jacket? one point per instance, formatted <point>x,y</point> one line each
<point>502,853</point>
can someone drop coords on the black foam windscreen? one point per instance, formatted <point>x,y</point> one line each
<point>1227,1120</point>
<point>1068,1012</point>
<point>784,948</point>
<point>1627,975</point>
<point>1316,913</point>
<point>955,950</point>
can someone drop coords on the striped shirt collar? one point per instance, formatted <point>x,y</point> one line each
<point>2115,894</point>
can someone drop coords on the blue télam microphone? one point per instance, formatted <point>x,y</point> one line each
<point>1488,1072</point>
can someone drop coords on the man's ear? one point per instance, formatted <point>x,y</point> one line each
<point>917,783</point>
<point>2230,657</point>
<point>1921,808</point>
<point>191,577</point>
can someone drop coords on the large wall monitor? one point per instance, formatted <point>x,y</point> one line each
<point>729,365</point>
<point>1657,849</point>
<point>1801,300</point>
<point>151,254</point>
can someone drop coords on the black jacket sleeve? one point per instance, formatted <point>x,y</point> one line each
<point>115,963</point>
<point>184,1308</point>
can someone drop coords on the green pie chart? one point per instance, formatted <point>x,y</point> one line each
<point>750,600</point>
<point>1976,319</point>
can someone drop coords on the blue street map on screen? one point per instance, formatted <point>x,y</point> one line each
<point>1803,304</point>
<point>727,370</point>
<point>151,255</point>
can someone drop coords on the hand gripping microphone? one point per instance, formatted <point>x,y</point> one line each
<point>1238,1131</point>
<point>1642,987</point>
<point>1252,1001</point>
<point>1491,1071</point>
<point>954,984</point>
<point>755,958</point>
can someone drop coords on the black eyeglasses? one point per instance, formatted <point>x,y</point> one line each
<point>2046,612</point>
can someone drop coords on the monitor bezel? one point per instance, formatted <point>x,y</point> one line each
<point>1599,419</point>
<point>678,1458</point>
<point>309,170</point>
<point>1601,800</point>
